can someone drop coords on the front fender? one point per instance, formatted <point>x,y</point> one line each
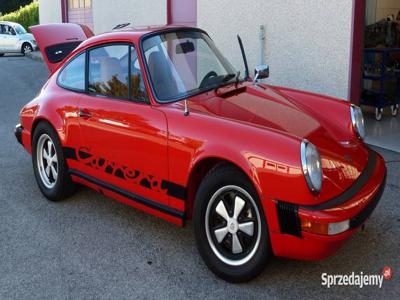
<point>269,158</point>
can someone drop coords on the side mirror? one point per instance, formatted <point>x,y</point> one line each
<point>261,72</point>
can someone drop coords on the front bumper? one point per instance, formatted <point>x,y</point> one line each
<point>354,206</point>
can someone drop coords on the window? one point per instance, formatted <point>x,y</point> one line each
<point>79,4</point>
<point>19,29</point>
<point>185,63</point>
<point>109,71</point>
<point>138,89</point>
<point>73,75</point>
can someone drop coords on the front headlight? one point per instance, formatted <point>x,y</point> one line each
<point>357,120</point>
<point>312,167</point>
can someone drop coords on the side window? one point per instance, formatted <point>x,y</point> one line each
<point>138,89</point>
<point>73,75</point>
<point>109,71</point>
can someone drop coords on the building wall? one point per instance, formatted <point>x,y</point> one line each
<point>307,42</point>
<point>50,11</point>
<point>108,14</point>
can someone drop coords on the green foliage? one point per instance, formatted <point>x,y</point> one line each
<point>26,16</point>
<point>7,6</point>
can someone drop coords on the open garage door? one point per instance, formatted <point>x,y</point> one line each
<point>80,12</point>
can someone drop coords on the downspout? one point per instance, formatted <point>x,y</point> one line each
<point>261,36</point>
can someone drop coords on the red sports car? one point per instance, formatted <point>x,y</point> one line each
<point>158,118</point>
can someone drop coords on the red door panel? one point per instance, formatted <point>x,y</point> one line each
<point>124,144</point>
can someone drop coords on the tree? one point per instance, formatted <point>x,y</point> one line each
<point>7,6</point>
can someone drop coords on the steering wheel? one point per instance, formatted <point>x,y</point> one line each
<point>207,77</point>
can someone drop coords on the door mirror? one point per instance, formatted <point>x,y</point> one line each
<point>261,72</point>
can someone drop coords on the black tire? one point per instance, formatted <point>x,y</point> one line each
<point>1,54</point>
<point>25,47</point>
<point>63,185</point>
<point>225,176</point>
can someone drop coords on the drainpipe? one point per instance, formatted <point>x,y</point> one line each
<point>262,44</point>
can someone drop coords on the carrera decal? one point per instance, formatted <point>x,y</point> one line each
<point>123,172</point>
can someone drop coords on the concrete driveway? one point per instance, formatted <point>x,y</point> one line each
<point>92,247</point>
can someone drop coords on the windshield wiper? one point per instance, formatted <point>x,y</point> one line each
<point>226,79</point>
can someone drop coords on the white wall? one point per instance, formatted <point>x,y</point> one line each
<point>50,11</point>
<point>108,14</point>
<point>307,41</point>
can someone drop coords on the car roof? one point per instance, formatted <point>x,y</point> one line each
<point>8,23</point>
<point>132,33</point>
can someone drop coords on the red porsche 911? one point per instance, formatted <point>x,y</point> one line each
<point>157,118</point>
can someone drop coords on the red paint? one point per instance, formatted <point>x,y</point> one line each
<point>52,34</point>
<point>357,45</point>
<point>257,128</point>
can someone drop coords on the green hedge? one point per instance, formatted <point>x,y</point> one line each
<point>26,16</point>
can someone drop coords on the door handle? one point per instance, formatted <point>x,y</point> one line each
<point>84,113</point>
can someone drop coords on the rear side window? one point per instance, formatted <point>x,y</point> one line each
<point>109,71</point>
<point>73,75</point>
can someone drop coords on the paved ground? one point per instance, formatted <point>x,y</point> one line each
<point>93,247</point>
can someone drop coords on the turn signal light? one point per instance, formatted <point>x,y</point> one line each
<point>325,228</point>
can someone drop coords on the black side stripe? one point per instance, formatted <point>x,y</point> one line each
<point>173,189</point>
<point>131,196</point>
<point>69,153</point>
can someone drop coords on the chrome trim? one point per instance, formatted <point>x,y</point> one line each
<point>303,149</point>
<point>354,122</point>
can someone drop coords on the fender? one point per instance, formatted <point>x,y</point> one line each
<point>62,115</point>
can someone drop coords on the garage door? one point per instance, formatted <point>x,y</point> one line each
<point>80,11</point>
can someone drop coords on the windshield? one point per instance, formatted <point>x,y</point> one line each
<point>19,29</point>
<point>184,63</point>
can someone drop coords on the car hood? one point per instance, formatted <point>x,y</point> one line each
<point>271,108</point>
<point>27,37</point>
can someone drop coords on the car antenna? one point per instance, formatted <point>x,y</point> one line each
<point>186,110</point>
<point>246,66</point>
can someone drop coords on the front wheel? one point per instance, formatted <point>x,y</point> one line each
<point>49,164</point>
<point>394,110</point>
<point>378,114</point>
<point>26,48</point>
<point>230,227</point>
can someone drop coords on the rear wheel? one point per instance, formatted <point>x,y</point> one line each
<point>230,227</point>
<point>26,48</point>
<point>49,164</point>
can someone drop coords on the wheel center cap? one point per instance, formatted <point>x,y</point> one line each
<point>232,226</point>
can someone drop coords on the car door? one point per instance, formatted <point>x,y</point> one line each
<point>124,138</point>
<point>12,40</point>
<point>2,38</point>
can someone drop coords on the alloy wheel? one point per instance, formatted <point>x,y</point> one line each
<point>233,225</point>
<point>27,49</point>
<point>47,161</point>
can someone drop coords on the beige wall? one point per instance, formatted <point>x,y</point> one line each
<point>50,11</point>
<point>307,41</point>
<point>387,7</point>
<point>108,14</point>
